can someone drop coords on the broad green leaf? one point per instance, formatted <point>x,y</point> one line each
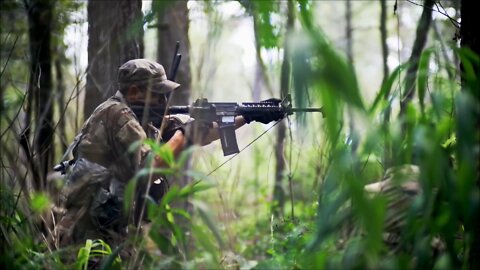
<point>172,194</point>
<point>166,153</point>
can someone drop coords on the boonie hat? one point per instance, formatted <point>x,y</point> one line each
<point>144,72</point>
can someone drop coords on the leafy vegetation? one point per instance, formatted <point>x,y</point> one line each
<point>333,221</point>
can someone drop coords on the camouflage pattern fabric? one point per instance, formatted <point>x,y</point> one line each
<point>85,198</point>
<point>401,186</point>
<point>108,155</point>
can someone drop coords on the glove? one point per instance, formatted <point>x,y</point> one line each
<point>196,131</point>
<point>267,117</point>
<point>172,125</point>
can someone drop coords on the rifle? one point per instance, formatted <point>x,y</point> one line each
<point>223,113</point>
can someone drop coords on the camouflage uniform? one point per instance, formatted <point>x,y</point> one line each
<point>108,153</point>
<point>401,187</point>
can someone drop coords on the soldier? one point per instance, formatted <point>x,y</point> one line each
<point>108,152</point>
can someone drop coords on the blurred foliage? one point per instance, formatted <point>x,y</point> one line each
<point>266,15</point>
<point>337,223</point>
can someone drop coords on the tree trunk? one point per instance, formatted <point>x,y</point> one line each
<point>411,74</point>
<point>278,203</point>
<point>418,45</point>
<point>387,153</point>
<point>173,25</point>
<point>470,39</point>
<point>40,88</point>
<point>62,131</point>
<point>353,136</point>
<point>115,31</point>
<point>349,30</point>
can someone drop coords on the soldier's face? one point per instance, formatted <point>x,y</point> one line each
<point>136,95</point>
<point>158,99</point>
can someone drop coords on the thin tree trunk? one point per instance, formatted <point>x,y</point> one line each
<point>40,88</point>
<point>418,46</point>
<point>61,103</point>
<point>115,36</point>
<point>411,73</point>
<point>172,26</point>
<point>387,156</point>
<point>349,50</point>
<point>383,38</point>
<point>349,30</point>
<point>278,204</point>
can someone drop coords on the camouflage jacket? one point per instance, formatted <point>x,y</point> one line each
<point>108,153</point>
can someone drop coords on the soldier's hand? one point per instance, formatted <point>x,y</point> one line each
<point>197,131</point>
<point>267,116</point>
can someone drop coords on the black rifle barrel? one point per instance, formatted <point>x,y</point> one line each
<point>305,109</point>
<point>178,110</point>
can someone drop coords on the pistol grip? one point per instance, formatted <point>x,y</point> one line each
<point>228,139</point>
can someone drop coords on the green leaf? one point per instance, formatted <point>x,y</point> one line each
<point>171,195</point>
<point>113,260</point>
<point>169,214</point>
<point>197,175</point>
<point>162,150</point>
<point>166,153</point>
<point>422,77</point>
<point>84,255</point>
<point>181,212</point>
<point>386,87</point>
<point>329,68</point>
<point>268,30</point>
<point>193,188</point>
<point>162,242</point>
<point>40,202</point>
